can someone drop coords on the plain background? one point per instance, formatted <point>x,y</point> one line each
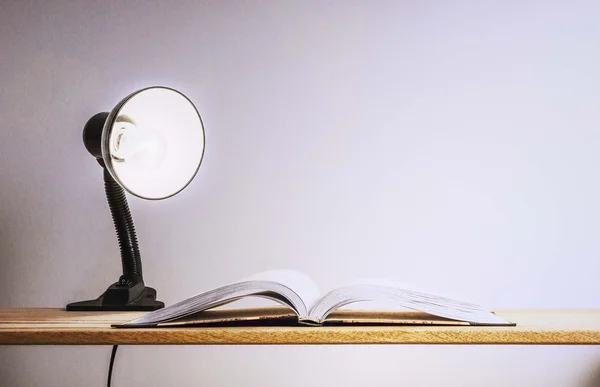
<point>453,143</point>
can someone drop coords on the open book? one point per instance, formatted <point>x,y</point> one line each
<point>301,299</point>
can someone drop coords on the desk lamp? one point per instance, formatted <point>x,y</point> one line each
<point>150,145</point>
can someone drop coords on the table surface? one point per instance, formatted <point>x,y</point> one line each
<point>45,326</point>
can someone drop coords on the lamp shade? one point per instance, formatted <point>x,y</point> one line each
<point>153,142</point>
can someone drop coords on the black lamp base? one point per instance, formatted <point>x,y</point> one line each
<point>121,296</point>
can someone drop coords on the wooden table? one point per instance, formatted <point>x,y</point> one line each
<point>57,327</point>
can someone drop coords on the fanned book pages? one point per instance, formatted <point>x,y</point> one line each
<point>302,303</point>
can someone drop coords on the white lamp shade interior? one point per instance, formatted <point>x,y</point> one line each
<point>153,142</point>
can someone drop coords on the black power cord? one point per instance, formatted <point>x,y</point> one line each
<point>112,362</point>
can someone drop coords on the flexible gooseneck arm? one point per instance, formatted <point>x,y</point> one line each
<point>119,209</point>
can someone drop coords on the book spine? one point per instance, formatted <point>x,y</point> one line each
<point>309,322</point>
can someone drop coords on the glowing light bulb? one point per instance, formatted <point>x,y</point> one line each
<point>145,147</point>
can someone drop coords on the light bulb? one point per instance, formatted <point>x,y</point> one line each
<point>143,146</point>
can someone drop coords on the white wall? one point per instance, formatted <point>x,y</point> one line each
<point>451,142</point>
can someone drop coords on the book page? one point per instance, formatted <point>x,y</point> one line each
<point>287,287</point>
<point>298,282</point>
<point>405,296</point>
